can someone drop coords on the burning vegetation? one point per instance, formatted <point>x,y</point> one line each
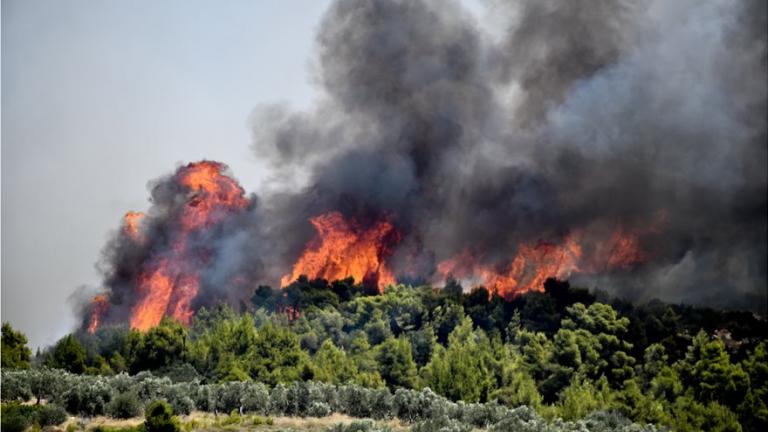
<point>174,243</point>
<point>549,149</point>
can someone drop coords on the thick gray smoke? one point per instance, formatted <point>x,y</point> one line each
<point>581,115</point>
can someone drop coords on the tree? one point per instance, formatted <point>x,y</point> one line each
<point>463,371</point>
<point>67,354</point>
<point>709,372</point>
<point>395,362</point>
<point>597,330</point>
<point>753,410</point>
<point>333,365</point>
<point>160,347</point>
<point>276,356</point>
<point>160,418</point>
<point>15,354</point>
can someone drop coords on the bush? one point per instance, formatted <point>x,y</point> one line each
<point>319,409</point>
<point>441,424</point>
<point>178,396</point>
<point>15,386</point>
<point>51,415</point>
<point>125,405</point>
<point>16,417</point>
<point>255,398</point>
<point>357,426</point>
<point>160,418</point>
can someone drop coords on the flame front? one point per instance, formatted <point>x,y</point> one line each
<point>99,307</point>
<point>535,263</point>
<point>344,249</point>
<point>169,277</point>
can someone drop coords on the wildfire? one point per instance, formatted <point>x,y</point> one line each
<point>132,225</point>
<point>99,307</point>
<point>344,248</point>
<point>169,280</point>
<point>213,197</point>
<point>534,263</point>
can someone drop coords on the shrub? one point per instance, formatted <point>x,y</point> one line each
<point>15,386</point>
<point>51,415</point>
<point>441,424</point>
<point>87,396</point>
<point>160,418</point>
<point>255,398</point>
<point>178,396</point>
<point>125,405</point>
<point>16,417</point>
<point>319,409</point>
<point>355,426</point>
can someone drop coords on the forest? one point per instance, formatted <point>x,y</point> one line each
<point>439,359</point>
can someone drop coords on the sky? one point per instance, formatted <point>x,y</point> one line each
<point>99,97</point>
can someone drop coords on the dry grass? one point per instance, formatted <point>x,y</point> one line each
<point>202,421</point>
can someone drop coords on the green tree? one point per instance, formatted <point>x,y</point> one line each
<point>15,354</point>
<point>395,363</point>
<point>276,356</point>
<point>598,331</point>
<point>753,410</point>
<point>463,371</point>
<point>67,354</point>
<point>160,347</point>
<point>333,365</point>
<point>711,374</point>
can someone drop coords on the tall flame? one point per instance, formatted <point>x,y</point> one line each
<point>99,307</point>
<point>344,249</point>
<point>169,279</point>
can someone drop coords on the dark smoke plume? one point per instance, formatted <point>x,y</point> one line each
<point>578,115</point>
<point>582,114</point>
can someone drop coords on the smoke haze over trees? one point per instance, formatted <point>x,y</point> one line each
<point>574,115</point>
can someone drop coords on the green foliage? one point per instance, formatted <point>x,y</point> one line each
<point>14,351</point>
<point>396,364</point>
<point>276,356</point>
<point>124,405</point>
<point>333,365</point>
<point>67,354</point>
<point>51,415</point>
<point>160,418</point>
<point>160,347</point>
<point>463,371</point>
<point>578,362</point>
<point>18,417</point>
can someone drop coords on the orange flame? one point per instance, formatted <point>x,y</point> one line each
<point>100,303</point>
<point>214,194</point>
<point>132,225</point>
<point>168,284</point>
<point>534,264</point>
<point>344,249</point>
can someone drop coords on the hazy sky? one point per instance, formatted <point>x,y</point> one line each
<point>98,97</point>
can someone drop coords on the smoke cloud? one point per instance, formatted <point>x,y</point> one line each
<point>585,116</point>
<point>582,114</point>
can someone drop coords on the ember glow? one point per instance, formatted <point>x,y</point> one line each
<point>345,248</point>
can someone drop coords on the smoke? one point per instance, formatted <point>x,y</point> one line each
<point>581,115</point>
